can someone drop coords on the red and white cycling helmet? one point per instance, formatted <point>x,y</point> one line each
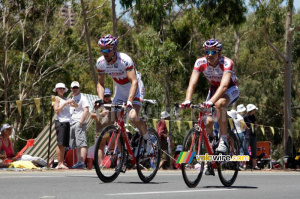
<point>212,44</point>
<point>108,40</point>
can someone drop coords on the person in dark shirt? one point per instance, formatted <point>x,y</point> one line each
<point>250,134</point>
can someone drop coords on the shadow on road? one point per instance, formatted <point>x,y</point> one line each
<point>232,187</point>
<point>154,183</point>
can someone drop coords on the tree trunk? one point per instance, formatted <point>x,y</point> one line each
<point>236,57</point>
<point>87,34</point>
<point>114,18</point>
<point>288,145</point>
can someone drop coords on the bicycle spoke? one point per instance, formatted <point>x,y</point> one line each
<point>109,154</point>
<point>147,165</point>
<point>228,170</point>
<point>192,172</point>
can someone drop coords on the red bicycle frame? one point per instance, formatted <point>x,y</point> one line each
<point>205,138</point>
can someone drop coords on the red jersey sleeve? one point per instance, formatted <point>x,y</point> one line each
<point>200,64</point>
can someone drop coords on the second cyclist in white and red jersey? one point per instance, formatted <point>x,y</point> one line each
<point>129,86</point>
<point>223,90</point>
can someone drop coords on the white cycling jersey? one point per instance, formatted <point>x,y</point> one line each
<point>118,71</point>
<point>215,74</point>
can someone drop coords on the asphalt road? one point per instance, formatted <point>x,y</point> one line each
<point>84,184</point>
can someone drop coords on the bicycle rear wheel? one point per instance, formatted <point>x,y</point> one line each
<point>228,170</point>
<point>147,165</point>
<point>109,154</point>
<point>192,171</point>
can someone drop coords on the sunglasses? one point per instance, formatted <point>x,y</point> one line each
<point>106,50</point>
<point>106,95</point>
<point>75,87</point>
<point>61,88</point>
<point>210,52</point>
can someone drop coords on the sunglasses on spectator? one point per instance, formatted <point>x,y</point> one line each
<point>106,50</point>
<point>75,87</point>
<point>210,52</point>
<point>106,95</point>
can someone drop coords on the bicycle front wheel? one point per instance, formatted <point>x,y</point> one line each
<point>228,170</point>
<point>109,154</point>
<point>148,164</point>
<point>192,171</point>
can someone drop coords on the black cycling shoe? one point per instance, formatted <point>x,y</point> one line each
<point>209,170</point>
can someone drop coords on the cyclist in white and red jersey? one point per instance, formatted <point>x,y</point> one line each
<point>129,86</point>
<point>223,90</point>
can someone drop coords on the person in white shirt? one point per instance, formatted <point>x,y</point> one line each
<point>79,115</point>
<point>240,128</point>
<point>62,122</point>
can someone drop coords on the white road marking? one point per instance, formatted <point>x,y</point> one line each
<point>167,192</point>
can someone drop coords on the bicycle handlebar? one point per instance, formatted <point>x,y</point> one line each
<point>193,106</point>
<point>123,106</point>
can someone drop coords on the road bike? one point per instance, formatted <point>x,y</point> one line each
<point>197,140</point>
<point>120,152</point>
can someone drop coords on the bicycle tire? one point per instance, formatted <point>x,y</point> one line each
<point>228,170</point>
<point>192,173</point>
<point>147,166</point>
<point>112,162</point>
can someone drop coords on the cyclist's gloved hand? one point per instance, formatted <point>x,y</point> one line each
<point>129,105</point>
<point>98,103</point>
<point>207,104</point>
<point>186,104</point>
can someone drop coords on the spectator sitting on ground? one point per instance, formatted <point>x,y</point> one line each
<point>90,155</point>
<point>6,148</point>
<point>177,153</point>
<point>162,131</point>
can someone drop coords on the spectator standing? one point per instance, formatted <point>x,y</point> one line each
<point>6,148</point>
<point>238,120</point>
<point>241,125</point>
<point>62,122</point>
<point>79,115</point>
<point>162,131</point>
<point>250,135</point>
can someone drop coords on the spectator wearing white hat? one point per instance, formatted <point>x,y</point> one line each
<point>6,148</point>
<point>241,109</point>
<point>250,135</point>
<point>163,133</point>
<point>62,122</point>
<point>79,114</point>
<point>240,128</point>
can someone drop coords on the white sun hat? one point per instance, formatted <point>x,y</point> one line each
<point>232,114</point>
<point>240,108</point>
<point>5,126</point>
<point>60,85</point>
<point>251,107</point>
<point>164,115</point>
